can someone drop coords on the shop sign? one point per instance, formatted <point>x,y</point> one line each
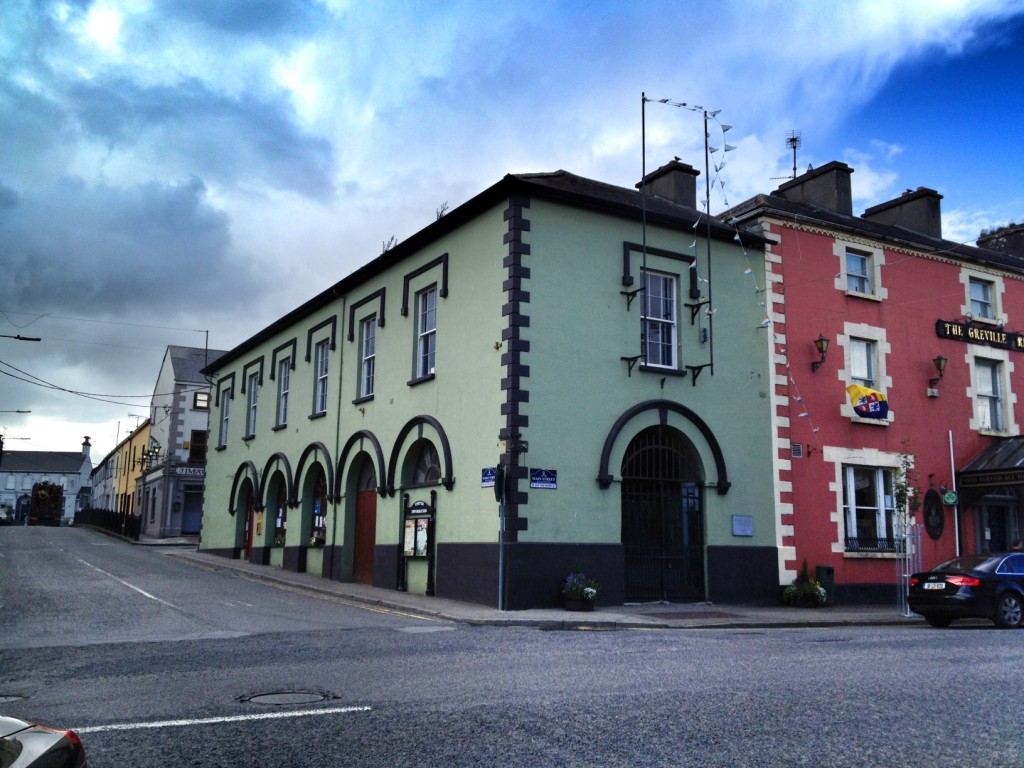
<point>190,471</point>
<point>969,333</point>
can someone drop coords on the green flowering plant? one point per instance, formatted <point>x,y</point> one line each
<point>804,590</point>
<point>579,586</point>
<point>317,540</point>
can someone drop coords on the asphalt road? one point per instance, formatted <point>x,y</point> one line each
<point>157,662</point>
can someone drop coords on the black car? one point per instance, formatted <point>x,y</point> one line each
<point>972,587</point>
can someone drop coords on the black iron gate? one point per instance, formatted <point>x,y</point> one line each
<point>662,530</point>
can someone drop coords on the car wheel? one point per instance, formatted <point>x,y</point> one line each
<point>1009,611</point>
<point>938,621</point>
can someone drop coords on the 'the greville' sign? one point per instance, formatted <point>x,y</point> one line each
<point>976,334</point>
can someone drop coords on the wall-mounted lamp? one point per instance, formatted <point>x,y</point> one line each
<point>821,343</point>
<point>149,457</point>
<point>940,366</point>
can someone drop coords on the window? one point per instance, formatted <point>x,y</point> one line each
<point>284,370</point>
<point>428,467</point>
<point>426,332</point>
<point>320,393</point>
<point>225,413</point>
<point>320,508</point>
<point>368,360</point>
<point>988,403</point>
<point>201,401</point>
<point>862,362</point>
<point>858,271</point>
<point>981,299</point>
<point>869,509</point>
<point>659,320</point>
<point>254,396</point>
<point>197,446</point>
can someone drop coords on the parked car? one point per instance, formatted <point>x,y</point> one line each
<point>972,587</point>
<point>26,745</point>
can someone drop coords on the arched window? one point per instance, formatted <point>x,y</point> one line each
<point>427,469</point>
<point>320,506</point>
<point>281,515</point>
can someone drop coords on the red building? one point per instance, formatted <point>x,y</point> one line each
<point>898,382</point>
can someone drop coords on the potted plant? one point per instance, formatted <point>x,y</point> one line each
<point>279,540</point>
<point>804,591</point>
<point>317,539</point>
<point>580,592</point>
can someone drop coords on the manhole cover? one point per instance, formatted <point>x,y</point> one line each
<point>284,698</point>
<point>6,698</point>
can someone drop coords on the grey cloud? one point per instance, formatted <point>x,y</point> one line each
<point>151,248</point>
<point>232,140</point>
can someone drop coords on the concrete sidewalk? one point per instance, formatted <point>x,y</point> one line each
<point>633,616</point>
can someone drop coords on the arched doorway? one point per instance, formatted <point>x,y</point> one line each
<point>366,524</point>
<point>662,524</point>
<point>245,519</point>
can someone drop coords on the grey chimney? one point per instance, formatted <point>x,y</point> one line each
<point>675,181</point>
<point>827,187</point>
<point>1009,239</point>
<point>919,211</point>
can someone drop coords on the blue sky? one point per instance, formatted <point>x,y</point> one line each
<point>172,169</point>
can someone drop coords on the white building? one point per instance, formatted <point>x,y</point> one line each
<point>20,470</point>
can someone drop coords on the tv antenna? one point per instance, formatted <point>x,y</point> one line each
<point>793,142</point>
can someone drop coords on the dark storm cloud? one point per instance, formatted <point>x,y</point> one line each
<point>145,249</point>
<point>250,17</point>
<point>230,140</point>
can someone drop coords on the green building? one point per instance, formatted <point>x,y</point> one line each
<point>558,375</point>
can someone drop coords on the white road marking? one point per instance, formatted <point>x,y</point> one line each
<point>218,720</point>
<point>142,592</point>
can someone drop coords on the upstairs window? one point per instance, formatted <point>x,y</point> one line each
<point>368,361</point>
<point>988,398</point>
<point>253,398</point>
<point>981,299</point>
<point>659,320</point>
<point>426,332</point>
<point>862,364</point>
<point>858,271</point>
<point>201,401</point>
<point>284,371</point>
<point>225,415</point>
<point>320,390</point>
<point>197,446</point>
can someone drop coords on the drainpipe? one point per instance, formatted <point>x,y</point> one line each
<point>337,505</point>
<point>956,507</point>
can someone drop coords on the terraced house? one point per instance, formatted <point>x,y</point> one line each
<point>559,374</point>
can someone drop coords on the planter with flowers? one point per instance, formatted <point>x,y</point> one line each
<point>805,591</point>
<point>580,592</point>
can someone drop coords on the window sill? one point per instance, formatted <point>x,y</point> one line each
<point>662,371</point>
<point>870,422</point>
<point>221,448</point>
<point>248,438</point>
<point>870,555</point>
<point>420,380</point>
<point>361,400</point>
<point>317,415</point>
<point>278,427</point>
<point>995,433</point>
<point>865,296</point>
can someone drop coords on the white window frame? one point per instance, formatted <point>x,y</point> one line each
<point>883,480</point>
<point>368,356</point>
<point>253,396</point>
<point>322,358</point>
<point>859,280</point>
<point>997,288</point>
<point>859,332</point>
<point>990,392</point>
<point>284,374</point>
<point>874,261</point>
<point>225,415</point>
<point>426,332</point>
<point>863,364</point>
<point>982,307</point>
<point>660,320</point>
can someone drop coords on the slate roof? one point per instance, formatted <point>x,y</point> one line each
<point>886,233</point>
<point>44,462</point>
<point>188,362</point>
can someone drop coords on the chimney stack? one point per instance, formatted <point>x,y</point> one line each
<point>86,446</point>
<point>1009,239</point>
<point>675,181</point>
<point>827,187</point>
<point>918,210</point>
